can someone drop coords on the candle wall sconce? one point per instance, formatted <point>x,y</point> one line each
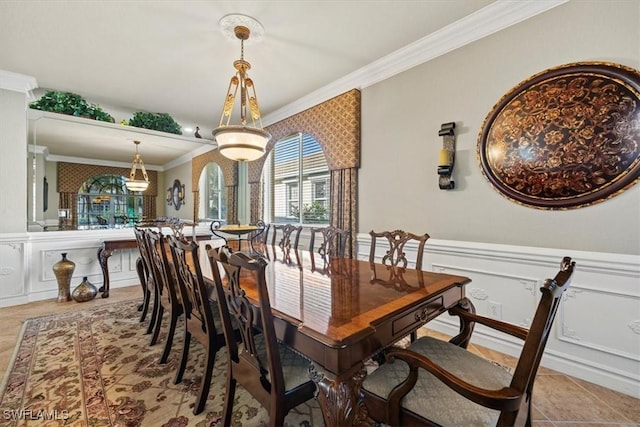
<point>175,194</point>
<point>446,156</point>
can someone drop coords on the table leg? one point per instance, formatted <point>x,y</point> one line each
<point>340,398</point>
<point>103,257</point>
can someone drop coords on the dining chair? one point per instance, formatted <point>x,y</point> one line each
<point>163,274</point>
<point>260,235</point>
<point>394,245</point>
<point>395,255</point>
<point>435,382</point>
<point>333,243</point>
<point>150,291</point>
<point>202,318</point>
<point>290,235</point>
<point>276,376</point>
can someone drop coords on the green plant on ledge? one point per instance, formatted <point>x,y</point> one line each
<point>70,104</point>
<point>162,122</point>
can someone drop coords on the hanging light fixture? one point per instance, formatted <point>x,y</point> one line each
<point>132,183</point>
<point>241,142</point>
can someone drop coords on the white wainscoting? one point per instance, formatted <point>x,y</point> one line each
<point>26,262</point>
<point>596,335</point>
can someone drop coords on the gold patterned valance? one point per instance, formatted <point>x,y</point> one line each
<point>72,175</point>
<point>566,137</point>
<point>335,124</point>
<point>228,167</point>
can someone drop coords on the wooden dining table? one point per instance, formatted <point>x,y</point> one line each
<point>340,312</point>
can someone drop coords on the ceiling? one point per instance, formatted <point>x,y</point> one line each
<point>171,56</point>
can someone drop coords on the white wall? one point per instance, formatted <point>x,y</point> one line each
<point>401,117</point>
<point>13,165</point>
<point>182,173</point>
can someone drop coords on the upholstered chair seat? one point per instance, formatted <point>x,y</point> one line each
<point>430,397</point>
<point>295,367</point>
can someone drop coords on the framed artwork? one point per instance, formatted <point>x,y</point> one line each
<point>565,138</point>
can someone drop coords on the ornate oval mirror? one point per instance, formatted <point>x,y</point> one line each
<point>178,194</point>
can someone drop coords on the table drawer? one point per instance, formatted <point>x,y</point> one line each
<point>413,319</point>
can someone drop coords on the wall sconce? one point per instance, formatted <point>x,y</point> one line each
<point>169,196</point>
<point>446,156</point>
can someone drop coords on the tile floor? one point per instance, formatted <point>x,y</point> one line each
<point>559,400</point>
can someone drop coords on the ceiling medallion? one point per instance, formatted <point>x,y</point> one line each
<point>228,24</point>
<point>565,138</point>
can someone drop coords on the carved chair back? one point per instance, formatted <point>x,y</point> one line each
<point>333,243</point>
<point>255,362</point>
<point>149,288</point>
<point>164,276</point>
<point>201,313</point>
<point>395,242</point>
<point>290,235</point>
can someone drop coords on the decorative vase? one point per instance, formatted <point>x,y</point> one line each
<point>63,270</point>
<point>85,291</point>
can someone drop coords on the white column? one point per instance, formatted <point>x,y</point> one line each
<point>15,90</point>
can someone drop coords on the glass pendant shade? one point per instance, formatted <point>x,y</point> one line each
<point>241,143</point>
<point>136,185</point>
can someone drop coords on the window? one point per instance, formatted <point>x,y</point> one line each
<point>213,198</point>
<point>297,182</point>
<point>105,202</point>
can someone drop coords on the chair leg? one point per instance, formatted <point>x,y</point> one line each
<point>154,313</point>
<point>227,410</point>
<point>143,280</point>
<point>414,336</point>
<point>184,357</point>
<point>169,342</point>
<point>276,417</point>
<point>206,381</point>
<point>145,305</point>
<point>159,308</point>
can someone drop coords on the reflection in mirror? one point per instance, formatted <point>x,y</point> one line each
<point>213,198</point>
<point>105,202</point>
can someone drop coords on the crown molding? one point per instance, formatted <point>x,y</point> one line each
<point>17,82</point>
<point>495,17</point>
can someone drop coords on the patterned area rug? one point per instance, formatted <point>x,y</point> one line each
<point>94,367</point>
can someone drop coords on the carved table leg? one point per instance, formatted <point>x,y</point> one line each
<point>340,398</point>
<point>466,326</point>
<point>103,257</point>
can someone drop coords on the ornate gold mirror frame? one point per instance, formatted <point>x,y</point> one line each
<point>565,138</point>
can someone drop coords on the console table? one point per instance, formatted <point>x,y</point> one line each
<point>109,246</point>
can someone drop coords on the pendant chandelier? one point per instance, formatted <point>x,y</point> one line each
<point>132,183</point>
<point>242,142</point>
